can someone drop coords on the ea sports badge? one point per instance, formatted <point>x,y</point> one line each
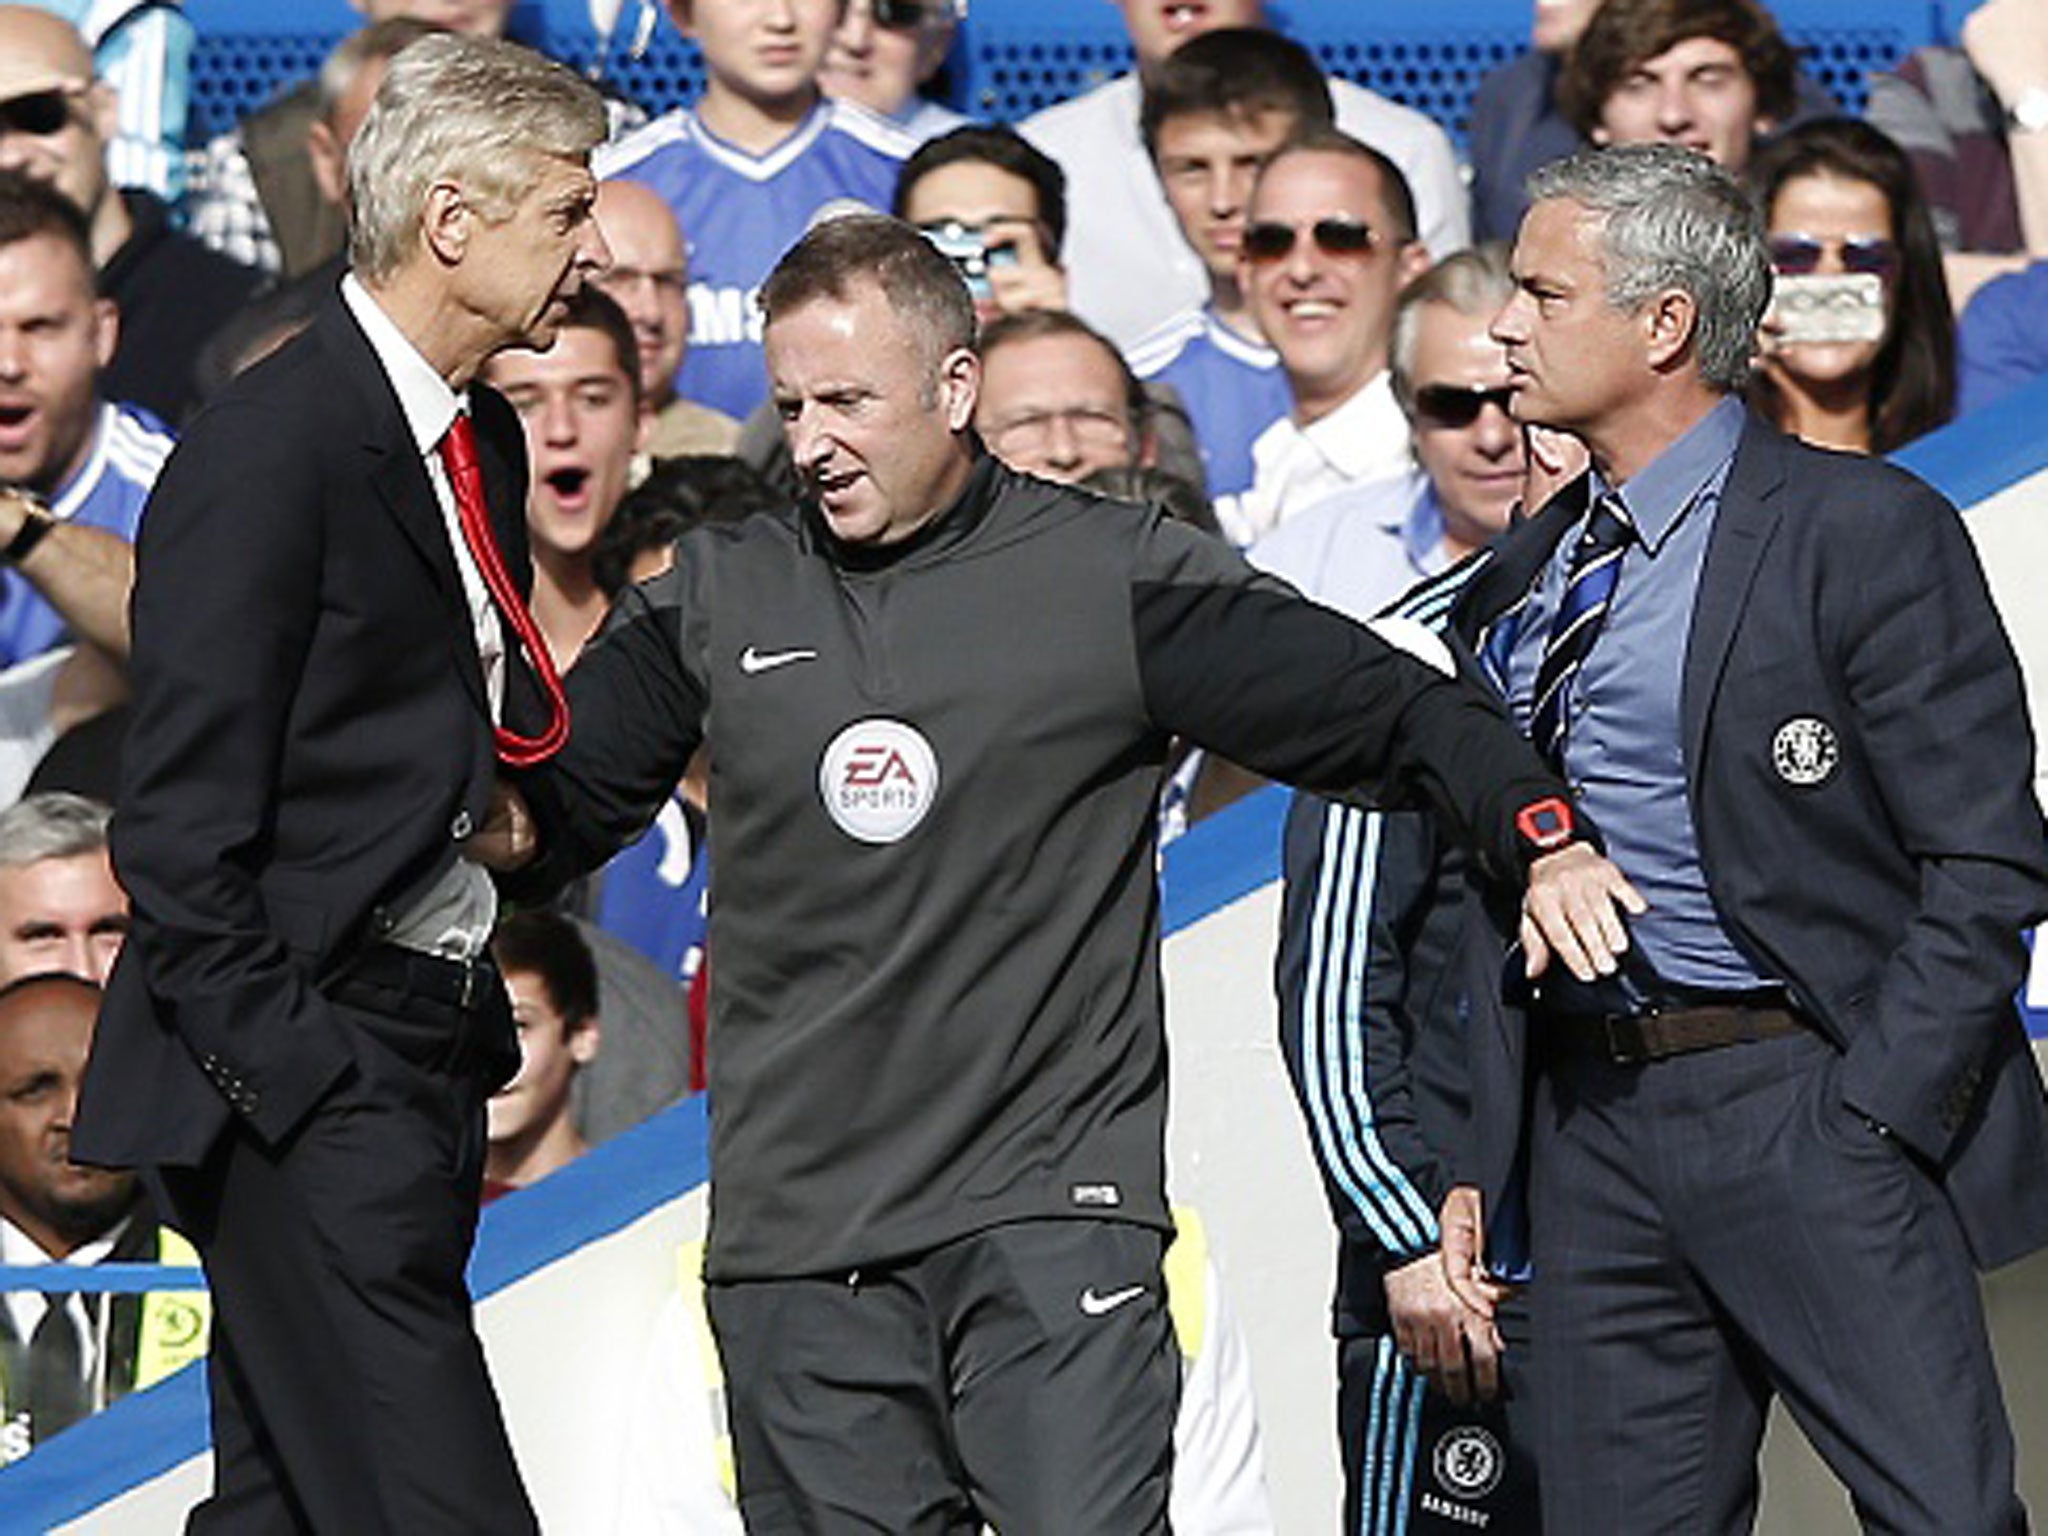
<point>1805,751</point>
<point>878,778</point>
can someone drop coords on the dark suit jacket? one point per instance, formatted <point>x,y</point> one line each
<point>310,735</point>
<point>1891,893</point>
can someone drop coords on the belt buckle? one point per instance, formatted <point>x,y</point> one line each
<point>1624,1034</point>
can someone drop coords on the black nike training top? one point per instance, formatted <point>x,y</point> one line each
<point>934,940</point>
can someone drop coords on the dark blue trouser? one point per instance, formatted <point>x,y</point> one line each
<point>1714,1229</point>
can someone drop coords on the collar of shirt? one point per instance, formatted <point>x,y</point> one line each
<point>25,1308</point>
<point>1422,532</point>
<point>18,1248</point>
<point>424,397</point>
<point>1366,437</point>
<point>1669,486</point>
<point>72,493</point>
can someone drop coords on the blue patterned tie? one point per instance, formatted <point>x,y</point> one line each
<point>1588,592</point>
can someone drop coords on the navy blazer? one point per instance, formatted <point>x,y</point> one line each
<point>1860,771</point>
<point>310,735</point>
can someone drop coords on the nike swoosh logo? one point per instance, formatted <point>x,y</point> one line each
<point>753,662</point>
<point>1095,1305</point>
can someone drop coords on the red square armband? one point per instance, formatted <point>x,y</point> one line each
<point>1546,825</point>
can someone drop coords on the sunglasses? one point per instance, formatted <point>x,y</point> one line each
<point>1452,406</point>
<point>1799,255</point>
<point>41,113</point>
<point>909,15</point>
<point>1333,237</point>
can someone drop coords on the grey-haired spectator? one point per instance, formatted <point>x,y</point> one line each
<point>61,909</point>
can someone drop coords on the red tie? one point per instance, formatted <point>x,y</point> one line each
<point>458,456</point>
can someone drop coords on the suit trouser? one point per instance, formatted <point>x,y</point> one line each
<point>1416,1462</point>
<point>1026,1376</point>
<point>1716,1228</point>
<point>349,1390</point>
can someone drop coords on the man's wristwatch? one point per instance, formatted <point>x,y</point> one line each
<point>36,524</point>
<point>2029,110</point>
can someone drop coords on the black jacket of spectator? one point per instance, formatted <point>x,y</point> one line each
<point>173,294</point>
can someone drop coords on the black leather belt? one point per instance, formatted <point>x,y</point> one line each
<point>1659,1033</point>
<point>374,973</point>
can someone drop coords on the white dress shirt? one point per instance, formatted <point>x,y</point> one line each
<point>25,1309</point>
<point>453,916</point>
<point>1293,466</point>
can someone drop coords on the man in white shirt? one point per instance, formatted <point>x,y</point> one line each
<point>1329,241</point>
<point>66,1354</point>
<point>1132,271</point>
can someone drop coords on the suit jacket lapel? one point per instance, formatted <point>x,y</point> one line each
<point>399,480</point>
<point>1743,527</point>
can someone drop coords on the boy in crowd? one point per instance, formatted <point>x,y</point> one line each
<point>1214,113</point>
<point>1713,75</point>
<point>552,979</point>
<point>1131,273</point>
<point>580,403</point>
<point>748,168</point>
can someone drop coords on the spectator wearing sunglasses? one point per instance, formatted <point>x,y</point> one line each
<point>748,168</point>
<point>1132,272</point>
<point>1329,241</point>
<point>1713,75</point>
<point>1214,113</point>
<point>142,49</point>
<point>172,292</point>
<point>1839,199</point>
<point>883,55</point>
<point>1364,546</point>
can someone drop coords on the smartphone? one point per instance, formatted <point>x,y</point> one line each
<point>1822,307</point>
<point>966,247</point>
<point>969,249</point>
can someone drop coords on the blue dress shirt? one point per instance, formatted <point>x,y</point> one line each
<point>1623,743</point>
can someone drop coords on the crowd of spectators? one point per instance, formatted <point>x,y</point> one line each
<point>1227,285</point>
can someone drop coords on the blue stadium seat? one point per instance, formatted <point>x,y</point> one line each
<point>1016,56</point>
